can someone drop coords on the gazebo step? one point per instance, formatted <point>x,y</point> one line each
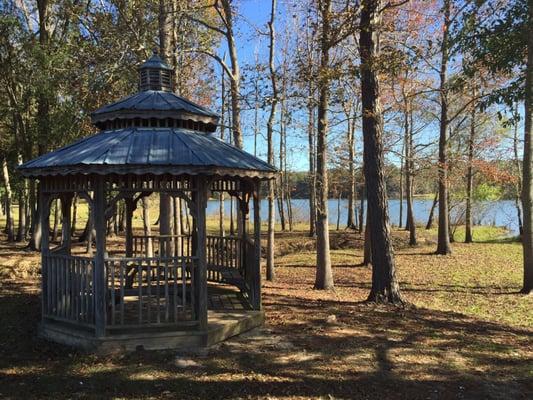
<point>221,326</point>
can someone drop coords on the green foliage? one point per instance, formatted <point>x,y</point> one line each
<point>492,35</point>
<point>487,192</point>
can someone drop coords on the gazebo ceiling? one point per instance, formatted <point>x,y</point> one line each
<point>156,151</point>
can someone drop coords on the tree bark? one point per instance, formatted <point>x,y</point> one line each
<point>527,190</point>
<point>362,208</point>
<point>402,171</point>
<point>470,175</point>
<point>385,287</point>
<point>351,222</point>
<point>235,81</point>
<point>270,269</point>
<point>10,223</point>
<point>312,161</point>
<point>518,186</point>
<point>324,273</point>
<point>443,243</point>
<point>55,226</point>
<point>367,249</point>
<point>43,110</point>
<point>409,166</point>
<point>22,193</point>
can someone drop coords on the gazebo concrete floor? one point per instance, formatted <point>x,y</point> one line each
<point>227,317</point>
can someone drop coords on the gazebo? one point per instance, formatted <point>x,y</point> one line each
<point>153,291</point>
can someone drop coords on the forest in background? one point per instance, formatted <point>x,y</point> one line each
<point>425,97</point>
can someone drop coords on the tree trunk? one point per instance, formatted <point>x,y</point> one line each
<point>470,175</point>
<point>221,205</point>
<point>165,201</point>
<point>66,226</point>
<point>165,32</point>
<point>22,193</point>
<point>74,215</point>
<point>324,273</point>
<point>518,185</point>
<point>351,223</point>
<point>312,162</point>
<point>429,224</point>
<point>10,223</point>
<point>270,269</point>
<point>55,229</point>
<point>147,229</point>
<point>409,166</point>
<point>527,190</point>
<point>402,171</point>
<point>339,197</point>
<point>362,209</point>
<point>443,244</point>
<point>43,111</point>
<point>385,287</point>
<point>235,80</point>
<point>367,249</point>
<point>281,208</point>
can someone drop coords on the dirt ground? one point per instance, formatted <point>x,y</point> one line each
<point>468,335</point>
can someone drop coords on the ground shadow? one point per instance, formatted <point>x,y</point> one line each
<point>368,352</point>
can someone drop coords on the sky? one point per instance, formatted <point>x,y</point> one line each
<point>253,16</point>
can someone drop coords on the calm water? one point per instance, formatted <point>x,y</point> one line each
<point>499,213</point>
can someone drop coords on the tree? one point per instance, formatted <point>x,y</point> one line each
<point>10,228</point>
<point>270,145</point>
<point>443,239</point>
<point>385,287</point>
<point>527,180</point>
<point>499,41</point>
<point>324,273</point>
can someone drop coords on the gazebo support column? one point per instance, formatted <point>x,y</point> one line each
<point>44,205</point>
<point>199,250</point>
<point>99,258</point>
<point>256,270</point>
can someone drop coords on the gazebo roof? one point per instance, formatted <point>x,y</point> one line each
<point>155,104</point>
<point>153,131</point>
<point>139,151</point>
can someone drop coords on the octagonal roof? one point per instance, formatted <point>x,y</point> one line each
<point>149,151</point>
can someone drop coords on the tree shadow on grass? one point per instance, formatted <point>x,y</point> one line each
<point>370,352</point>
<point>489,290</point>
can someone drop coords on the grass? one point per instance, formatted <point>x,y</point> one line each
<point>468,335</point>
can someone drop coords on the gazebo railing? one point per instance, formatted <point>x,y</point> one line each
<point>155,245</point>
<point>68,288</point>
<point>150,291</point>
<point>223,253</point>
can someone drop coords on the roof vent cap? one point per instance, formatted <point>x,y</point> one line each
<point>155,74</point>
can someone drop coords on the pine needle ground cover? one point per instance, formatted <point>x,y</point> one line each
<point>467,335</point>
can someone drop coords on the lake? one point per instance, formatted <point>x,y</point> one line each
<point>498,213</point>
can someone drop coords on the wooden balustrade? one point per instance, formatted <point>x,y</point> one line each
<point>222,252</point>
<point>161,292</point>
<point>68,283</point>
<point>164,245</point>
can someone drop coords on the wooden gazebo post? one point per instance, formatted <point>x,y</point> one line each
<point>256,275</point>
<point>99,283</point>
<point>199,248</point>
<point>44,205</point>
